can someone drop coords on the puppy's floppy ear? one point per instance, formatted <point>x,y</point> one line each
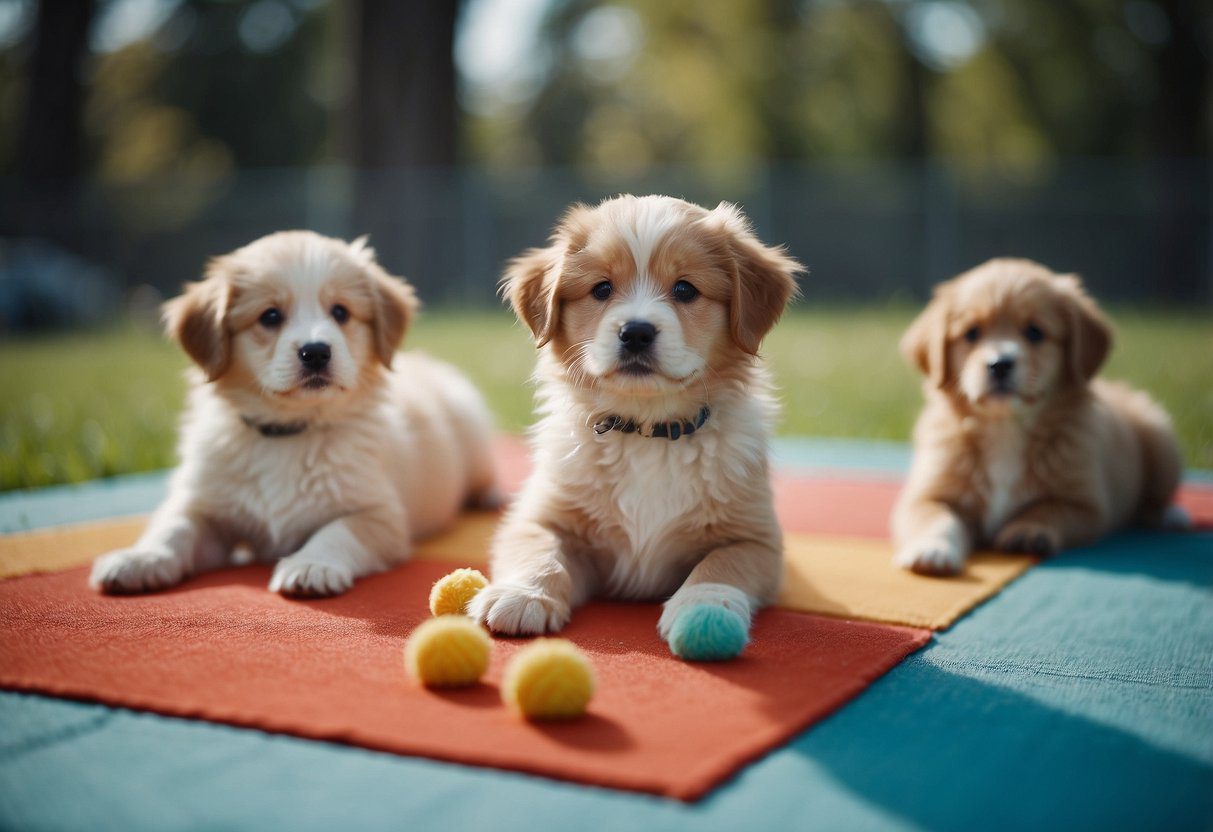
<point>531,279</point>
<point>393,302</point>
<point>764,279</point>
<point>197,319</point>
<point>531,290</point>
<point>1090,335</point>
<point>925,343</point>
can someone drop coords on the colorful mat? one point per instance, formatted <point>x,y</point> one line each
<point>834,575</point>
<point>224,649</point>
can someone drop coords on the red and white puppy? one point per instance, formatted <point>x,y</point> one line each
<point>651,475</point>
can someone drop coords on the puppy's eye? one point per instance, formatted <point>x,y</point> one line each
<point>272,318</point>
<point>602,291</point>
<point>340,313</point>
<point>972,334</point>
<point>684,292</point>
<point>1033,333</point>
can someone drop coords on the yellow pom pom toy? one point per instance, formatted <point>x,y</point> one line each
<point>548,679</point>
<point>452,593</point>
<point>450,651</point>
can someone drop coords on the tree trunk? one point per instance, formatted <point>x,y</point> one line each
<point>50,154</point>
<point>404,131</point>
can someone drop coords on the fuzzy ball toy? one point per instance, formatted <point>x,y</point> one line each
<point>450,651</point>
<point>452,593</point>
<point>708,633</point>
<point>548,679</point>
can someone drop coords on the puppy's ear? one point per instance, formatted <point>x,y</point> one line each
<point>925,343</point>
<point>395,305</point>
<point>1090,335</point>
<point>764,278</point>
<point>529,284</point>
<point>393,302</point>
<point>197,319</point>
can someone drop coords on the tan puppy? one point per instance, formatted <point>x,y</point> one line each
<point>1017,448</point>
<point>302,442</point>
<point>651,477</point>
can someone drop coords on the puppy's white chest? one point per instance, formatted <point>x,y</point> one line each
<point>657,484</point>
<point>1003,467</point>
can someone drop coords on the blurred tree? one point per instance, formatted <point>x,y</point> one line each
<point>50,150</point>
<point>404,118</point>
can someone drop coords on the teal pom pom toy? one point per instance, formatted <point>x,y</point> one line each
<point>708,633</point>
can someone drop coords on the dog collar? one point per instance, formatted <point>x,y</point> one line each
<point>658,430</point>
<point>273,430</point>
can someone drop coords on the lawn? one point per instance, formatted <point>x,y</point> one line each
<point>96,404</point>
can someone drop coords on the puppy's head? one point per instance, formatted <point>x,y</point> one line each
<point>295,317</point>
<point>1008,332</point>
<point>647,295</point>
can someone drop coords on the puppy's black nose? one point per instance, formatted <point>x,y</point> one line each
<point>637,336</point>
<point>1000,369</point>
<point>315,356</point>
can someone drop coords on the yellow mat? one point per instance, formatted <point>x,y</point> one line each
<point>845,577</point>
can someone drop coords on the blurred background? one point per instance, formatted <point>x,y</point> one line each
<point>888,143</point>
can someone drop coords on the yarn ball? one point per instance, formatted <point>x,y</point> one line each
<point>450,651</point>
<point>708,633</point>
<point>548,679</point>
<point>452,593</point>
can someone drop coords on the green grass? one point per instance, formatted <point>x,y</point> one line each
<point>91,405</point>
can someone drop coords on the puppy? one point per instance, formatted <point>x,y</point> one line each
<point>301,444</point>
<point>651,476</point>
<point>1017,447</point>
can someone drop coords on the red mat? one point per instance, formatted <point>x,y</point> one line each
<point>222,648</point>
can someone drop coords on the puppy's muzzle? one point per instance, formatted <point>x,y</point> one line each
<point>637,337</point>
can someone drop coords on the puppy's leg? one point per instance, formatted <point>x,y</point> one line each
<point>347,548</point>
<point>709,616</point>
<point>175,544</point>
<point>535,583</point>
<point>1047,527</point>
<point>931,538</point>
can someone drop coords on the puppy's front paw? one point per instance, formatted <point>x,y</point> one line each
<point>931,556</point>
<point>519,610</point>
<point>706,622</point>
<point>1028,537</point>
<point>300,578</point>
<point>137,570</point>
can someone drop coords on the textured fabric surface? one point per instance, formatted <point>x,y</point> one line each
<point>853,577</point>
<point>223,648</point>
<point>1079,698</point>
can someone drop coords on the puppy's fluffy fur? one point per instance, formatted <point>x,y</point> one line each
<point>625,515</point>
<point>361,458</point>
<point>1032,455</point>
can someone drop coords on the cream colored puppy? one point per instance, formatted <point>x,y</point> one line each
<point>651,477</point>
<point>1018,447</point>
<point>307,440</point>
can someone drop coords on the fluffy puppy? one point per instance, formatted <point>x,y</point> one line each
<point>1018,447</point>
<point>301,443</point>
<point>651,475</point>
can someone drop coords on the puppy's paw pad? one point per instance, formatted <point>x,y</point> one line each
<point>708,633</point>
<point>310,579</point>
<point>1028,538</point>
<point>136,570</point>
<point>519,611</point>
<point>930,557</point>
